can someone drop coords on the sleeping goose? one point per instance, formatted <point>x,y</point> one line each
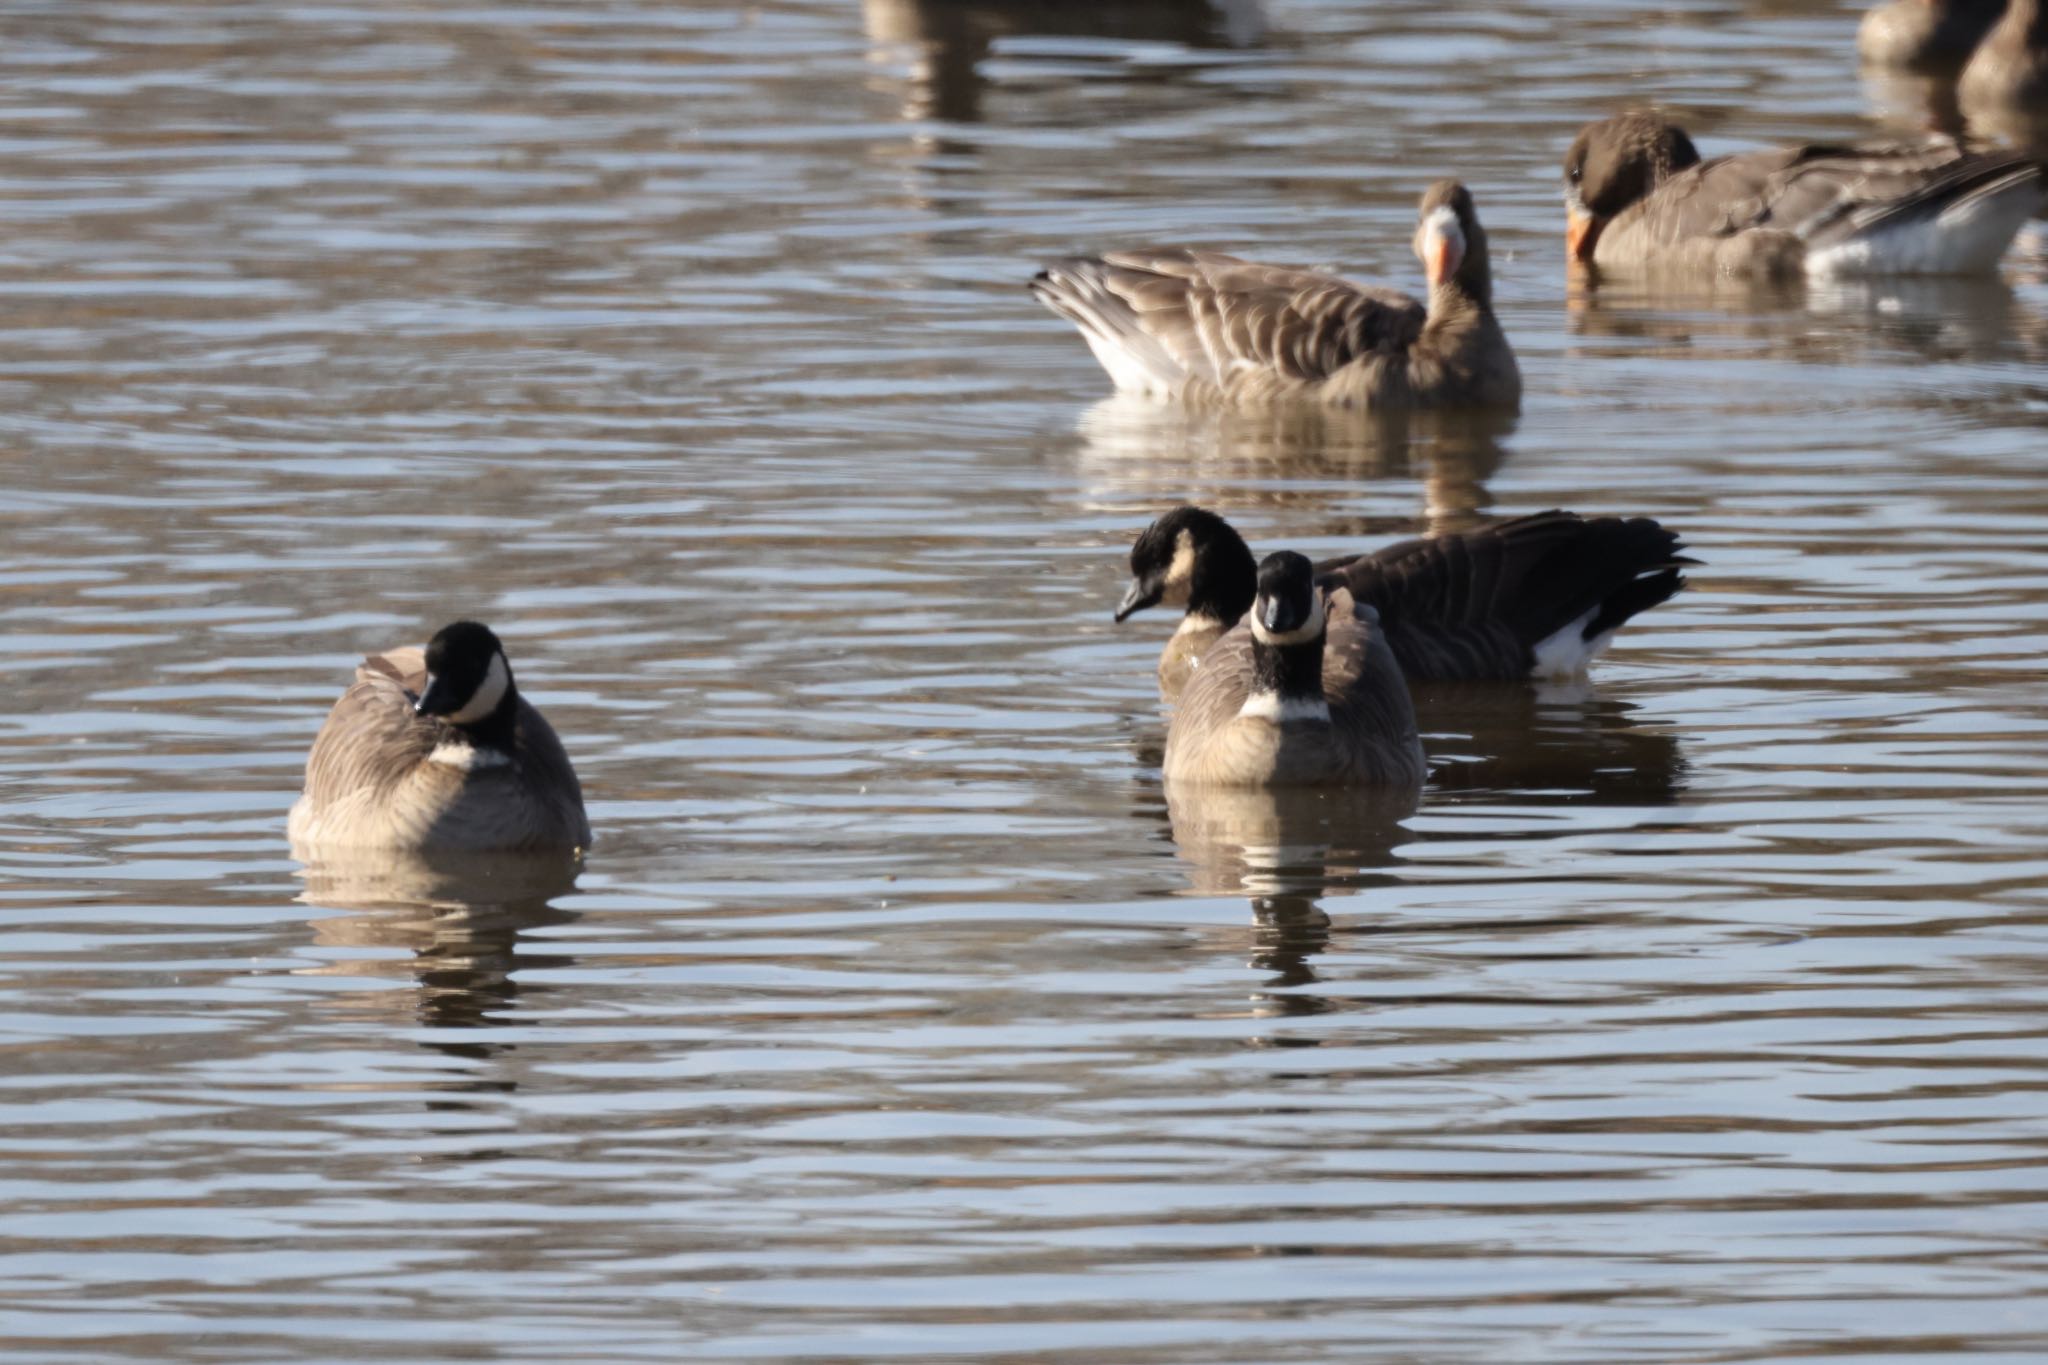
<point>1539,596</point>
<point>1639,197</point>
<point>436,750</point>
<point>1303,693</point>
<point>2004,89</point>
<point>1206,328</point>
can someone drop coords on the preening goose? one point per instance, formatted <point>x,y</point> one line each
<point>436,750</point>
<point>1303,693</point>
<point>1924,35</point>
<point>1538,596</point>
<point>1206,328</point>
<point>2004,89</point>
<point>1639,197</point>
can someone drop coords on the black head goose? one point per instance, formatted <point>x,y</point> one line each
<point>1302,693</point>
<point>436,750</point>
<point>1924,35</point>
<point>2004,89</point>
<point>1640,198</point>
<point>1203,327</point>
<point>1538,596</point>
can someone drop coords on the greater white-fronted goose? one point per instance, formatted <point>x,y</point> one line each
<point>436,750</point>
<point>1925,35</point>
<point>2004,89</point>
<point>1537,596</point>
<point>1206,328</point>
<point>1640,198</point>
<point>1303,693</point>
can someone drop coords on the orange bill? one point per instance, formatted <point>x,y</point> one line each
<point>1446,254</point>
<point>1582,231</point>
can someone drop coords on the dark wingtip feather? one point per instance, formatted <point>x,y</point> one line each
<point>1632,599</point>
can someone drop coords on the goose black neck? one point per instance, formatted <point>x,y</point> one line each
<point>1288,670</point>
<point>1225,582</point>
<point>496,730</point>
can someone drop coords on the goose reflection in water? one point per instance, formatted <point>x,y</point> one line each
<point>1287,850</point>
<point>1286,457</point>
<point>1860,321</point>
<point>448,923</point>
<point>1551,745</point>
<point>952,38</point>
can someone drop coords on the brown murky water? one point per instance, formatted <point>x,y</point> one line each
<point>1696,1015</point>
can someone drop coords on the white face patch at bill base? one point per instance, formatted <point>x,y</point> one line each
<point>1280,710</point>
<point>467,757</point>
<point>1300,635</point>
<point>488,694</point>
<point>1440,233</point>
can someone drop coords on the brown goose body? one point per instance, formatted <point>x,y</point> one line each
<point>380,776</point>
<point>1925,35</point>
<point>1641,199</point>
<point>1206,328</point>
<point>2004,88</point>
<point>1538,596</point>
<point>1368,739</point>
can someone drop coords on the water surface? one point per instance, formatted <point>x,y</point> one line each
<point>1693,1015</point>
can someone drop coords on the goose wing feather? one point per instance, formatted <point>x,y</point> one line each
<point>1474,606</point>
<point>1183,314</point>
<point>1824,194</point>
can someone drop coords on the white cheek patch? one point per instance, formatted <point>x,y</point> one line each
<point>488,694</point>
<point>1180,575</point>
<point>1300,635</point>
<point>1280,710</point>
<point>467,757</point>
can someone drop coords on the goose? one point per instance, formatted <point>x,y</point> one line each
<point>1303,693</point>
<point>1206,328</point>
<point>436,750</point>
<point>1925,35</point>
<point>1638,196</point>
<point>2004,88</point>
<point>1538,596</point>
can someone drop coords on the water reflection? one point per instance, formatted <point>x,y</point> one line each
<point>1286,850</point>
<point>1908,101</point>
<point>1287,457</point>
<point>1561,744</point>
<point>1936,319</point>
<point>450,923</point>
<point>953,38</point>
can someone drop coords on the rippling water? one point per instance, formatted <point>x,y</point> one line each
<point>1695,1015</point>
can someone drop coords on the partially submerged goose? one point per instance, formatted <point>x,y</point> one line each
<point>1539,596</point>
<point>1925,35</point>
<point>436,750</point>
<point>1303,693</point>
<point>1640,198</point>
<point>2004,89</point>
<point>1203,327</point>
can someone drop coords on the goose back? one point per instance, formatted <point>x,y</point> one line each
<point>1369,739</point>
<point>1209,329</point>
<point>380,776</point>
<point>1538,595</point>
<point>1184,323</point>
<point>1927,206</point>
